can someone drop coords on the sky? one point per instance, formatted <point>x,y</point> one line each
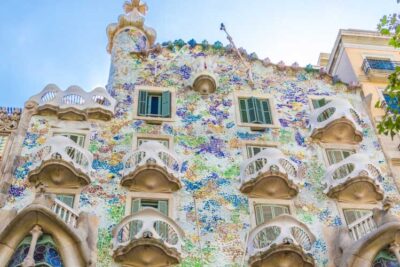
<point>64,41</point>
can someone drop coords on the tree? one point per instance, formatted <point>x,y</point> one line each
<point>390,124</point>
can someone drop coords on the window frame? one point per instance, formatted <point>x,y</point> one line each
<point>86,142</point>
<point>354,206</point>
<point>327,146</point>
<point>154,90</point>
<point>261,96</point>
<point>155,137</point>
<point>318,97</point>
<point>257,143</point>
<point>76,192</point>
<point>153,196</point>
<point>269,201</point>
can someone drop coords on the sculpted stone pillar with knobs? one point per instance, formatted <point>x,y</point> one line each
<point>36,232</point>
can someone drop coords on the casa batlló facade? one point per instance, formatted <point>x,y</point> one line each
<point>196,154</point>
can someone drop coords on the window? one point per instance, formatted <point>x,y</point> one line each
<point>253,150</point>
<point>66,199</point>
<point>161,205</point>
<point>351,215</point>
<point>3,143</point>
<point>336,156</point>
<point>255,110</point>
<point>46,252</point>
<point>317,103</point>
<point>154,104</point>
<point>138,204</point>
<point>266,212</point>
<point>142,140</point>
<point>77,138</point>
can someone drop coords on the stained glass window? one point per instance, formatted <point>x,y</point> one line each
<point>46,253</point>
<point>385,258</point>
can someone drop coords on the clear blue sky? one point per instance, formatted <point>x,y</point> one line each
<point>64,41</point>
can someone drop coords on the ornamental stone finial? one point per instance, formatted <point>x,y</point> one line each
<point>132,5</point>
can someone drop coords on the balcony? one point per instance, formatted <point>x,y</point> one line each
<point>151,168</point>
<point>354,179</point>
<point>75,103</point>
<point>147,238</point>
<point>379,69</point>
<point>358,244</point>
<point>336,122</point>
<point>75,232</point>
<point>269,174</point>
<point>60,162</point>
<point>280,242</point>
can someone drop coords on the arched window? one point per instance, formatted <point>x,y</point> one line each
<point>385,258</point>
<point>46,253</point>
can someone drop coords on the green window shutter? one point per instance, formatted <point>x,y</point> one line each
<point>243,110</point>
<point>66,199</point>
<point>259,111</point>
<point>317,103</point>
<point>135,207</point>
<point>143,99</point>
<point>251,110</point>
<point>163,207</point>
<point>166,104</point>
<point>267,111</point>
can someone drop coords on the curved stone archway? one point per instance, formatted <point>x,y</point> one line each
<point>72,243</point>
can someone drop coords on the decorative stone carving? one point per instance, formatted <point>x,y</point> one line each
<point>9,119</point>
<point>36,232</point>
<point>74,103</point>
<point>282,241</point>
<point>203,79</point>
<point>269,174</point>
<point>132,19</point>
<point>359,250</point>
<point>354,179</point>
<point>60,162</point>
<point>50,215</point>
<point>336,122</point>
<point>151,168</point>
<point>147,238</point>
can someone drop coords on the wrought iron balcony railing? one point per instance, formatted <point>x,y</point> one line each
<point>382,65</point>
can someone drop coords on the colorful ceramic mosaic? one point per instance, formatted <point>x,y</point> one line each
<point>206,136</point>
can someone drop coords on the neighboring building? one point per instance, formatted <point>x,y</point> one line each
<point>365,58</point>
<point>196,155</point>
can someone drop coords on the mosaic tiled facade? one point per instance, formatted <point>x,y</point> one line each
<point>206,135</point>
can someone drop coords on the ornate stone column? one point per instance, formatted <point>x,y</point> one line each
<point>395,249</point>
<point>29,261</point>
<point>17,138</point>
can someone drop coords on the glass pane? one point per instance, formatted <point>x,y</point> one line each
<point>337,155</point>
<point>254,150</point>
<point>266,212</point>
<point>154,105</point>
<point>66,199</point>
<point>243,110</point>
